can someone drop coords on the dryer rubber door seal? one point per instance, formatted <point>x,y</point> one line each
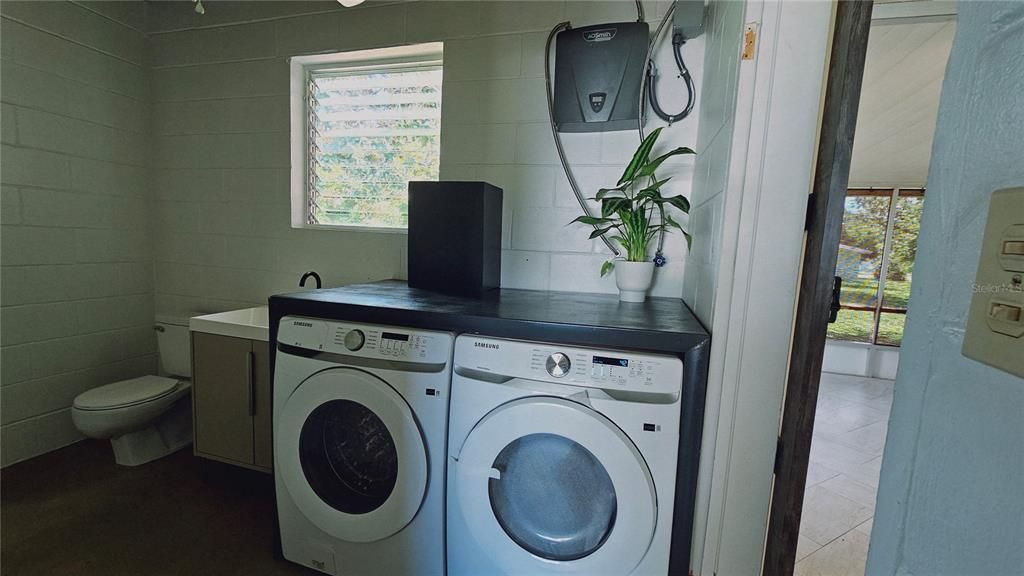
<point>351,455</point>
<point>582,430</point>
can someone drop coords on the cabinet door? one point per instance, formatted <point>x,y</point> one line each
<point>262,434</point>
<point>221,392</point>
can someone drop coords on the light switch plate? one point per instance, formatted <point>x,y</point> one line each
<point>995,323</point>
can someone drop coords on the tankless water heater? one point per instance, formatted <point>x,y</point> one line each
<point>597,77</point>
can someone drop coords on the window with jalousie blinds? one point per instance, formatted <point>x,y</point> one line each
<point>370,131</point>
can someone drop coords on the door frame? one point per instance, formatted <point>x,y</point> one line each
<point>770,156</point>
<point>824,228</point>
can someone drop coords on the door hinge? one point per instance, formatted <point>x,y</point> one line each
<point>809,216</point>
<point>749,41</point>
<point>834,306</point>
<point>778,455</point>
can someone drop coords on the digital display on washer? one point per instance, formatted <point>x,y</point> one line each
<point>606,361</point>
<point>394,336</point>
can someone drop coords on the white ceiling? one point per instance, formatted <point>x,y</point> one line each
<point>899,102</point>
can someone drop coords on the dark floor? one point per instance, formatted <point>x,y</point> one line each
<point>75,512</point>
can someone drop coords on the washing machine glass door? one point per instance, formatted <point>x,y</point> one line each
<point>351,455</point>
<point>549,484</point>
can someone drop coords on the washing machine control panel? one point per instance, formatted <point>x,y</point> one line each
<point>614,369</point>
<point>558,365</point>
<point>365,341</point>
<point>609,369</point>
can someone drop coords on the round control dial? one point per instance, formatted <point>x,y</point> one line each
<point>558,364</point>
<point>354,340</point>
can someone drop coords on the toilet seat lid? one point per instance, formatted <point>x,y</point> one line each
<point>126,393</point>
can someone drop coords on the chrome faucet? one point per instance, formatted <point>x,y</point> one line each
<point>302,281</point>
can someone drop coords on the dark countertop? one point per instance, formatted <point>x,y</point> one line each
<point>658,325</point>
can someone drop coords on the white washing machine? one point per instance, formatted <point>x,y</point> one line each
<point>360,417</point>
<point>561,460</point>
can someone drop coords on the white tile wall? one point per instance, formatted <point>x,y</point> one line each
<point>150,175</point>
<point>76,305</point>
<point>220,116</point>
<point>720,72</point>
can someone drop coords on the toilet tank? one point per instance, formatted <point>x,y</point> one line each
<point>173,343</point>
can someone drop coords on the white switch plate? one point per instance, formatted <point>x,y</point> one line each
<point>995,323</point>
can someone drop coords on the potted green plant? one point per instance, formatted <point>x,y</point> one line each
<point>634,213</point>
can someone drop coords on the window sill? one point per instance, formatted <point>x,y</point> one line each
<point>349,228</point>
<point>867,345</point>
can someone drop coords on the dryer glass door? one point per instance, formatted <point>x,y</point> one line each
<point>351,455</point>
<point>552,497</point>
<point>348,456</point>
<point>544,480</point>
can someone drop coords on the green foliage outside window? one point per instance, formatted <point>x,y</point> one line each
<point>863,247</point>
<point>371,133</point>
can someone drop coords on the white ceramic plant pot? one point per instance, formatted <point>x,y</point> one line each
<point>633,280</point>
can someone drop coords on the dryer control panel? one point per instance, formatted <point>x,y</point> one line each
<point>609,369</point>
<point>364,340</point>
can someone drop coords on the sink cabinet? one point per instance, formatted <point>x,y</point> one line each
<point>231,401</point>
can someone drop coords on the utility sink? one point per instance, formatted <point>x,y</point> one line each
<point>249,323</point>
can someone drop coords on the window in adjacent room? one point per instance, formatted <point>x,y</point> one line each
<point>876,263</point>
<point>363,124</point>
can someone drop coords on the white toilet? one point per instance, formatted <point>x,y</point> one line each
<point>148,417</point>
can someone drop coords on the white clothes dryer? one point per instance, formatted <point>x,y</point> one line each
<point>360,420</point>
<point>561,460</point>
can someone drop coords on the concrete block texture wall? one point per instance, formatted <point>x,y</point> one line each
<point>146,170</point>
<point>223,233</point>
<point>76,305</point>
<point>950,499</point>
<point>718,85</point>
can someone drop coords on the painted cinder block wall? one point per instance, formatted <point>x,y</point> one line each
<point>714,139</point>
<point>950,498</point>
<point>220,89</point>
<point>145,171</point>
<point>76,305</point>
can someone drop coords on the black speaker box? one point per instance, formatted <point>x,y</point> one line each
<point>455,237</point>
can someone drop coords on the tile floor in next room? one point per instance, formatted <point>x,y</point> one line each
<point>842,478</point>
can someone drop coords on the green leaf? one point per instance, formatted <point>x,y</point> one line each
<point>679,202</point>
<point>607,267</point>
<point>670,221</point>
<point>673,152</point>
<point>646,194</point>
<point>649,168</point>
<point>610,206</point>
<point>689,239</point>
<point>605,191</point>
<point>599,232</point>
<point>639,157</point>
<point>656,186</point>
<point>591,220</point>
<point>651,192</point>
